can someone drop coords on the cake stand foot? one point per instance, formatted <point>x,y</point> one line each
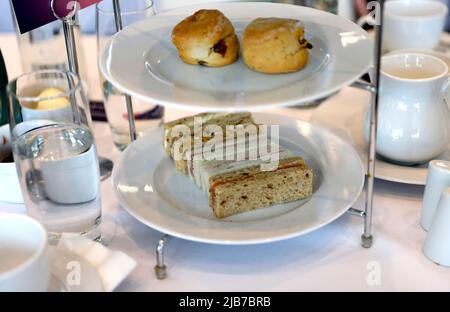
<point>160,268</point>
<point>366,241</point>
<point>356,212</point>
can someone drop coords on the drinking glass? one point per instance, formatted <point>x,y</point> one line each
<point>324,5</point>
<point>146,115</point>
<point>55,152</point>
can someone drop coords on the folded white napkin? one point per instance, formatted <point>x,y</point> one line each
<point>85,265</point>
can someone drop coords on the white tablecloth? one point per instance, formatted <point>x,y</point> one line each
<point>329,259</point>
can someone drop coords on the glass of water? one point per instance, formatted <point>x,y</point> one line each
<point>147,115</point>
<point>55,152</point>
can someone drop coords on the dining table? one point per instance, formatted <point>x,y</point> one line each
<point>328,259</point>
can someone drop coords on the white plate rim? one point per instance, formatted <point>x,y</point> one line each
<point>209,105</point>
<point>197,238</point>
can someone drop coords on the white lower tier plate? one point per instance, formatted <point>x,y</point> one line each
<point>142,61</point>
<point>150,188</point>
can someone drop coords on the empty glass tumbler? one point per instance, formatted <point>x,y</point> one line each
<point>146,115</point>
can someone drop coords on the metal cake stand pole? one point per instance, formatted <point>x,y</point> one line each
<point>131,121</point>
<point>160,268</point>
<point>373,87</point>
<point>72,56</point>
<point>68,22</point>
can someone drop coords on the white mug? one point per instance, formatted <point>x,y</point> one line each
<point>436,246</point>
<point>440,55</point>
<point>24,264</point>
<point>413,24</point>
<point>73,180</point>
<point>413,117</point>
<point>438,179</point>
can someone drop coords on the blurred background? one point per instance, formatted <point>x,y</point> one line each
<point>351,9</point>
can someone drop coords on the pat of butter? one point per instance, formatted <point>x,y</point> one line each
<point>56,103</point>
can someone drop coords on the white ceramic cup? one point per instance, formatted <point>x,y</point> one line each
<point>413,24</point>
<point>9,182</point>
<point>438,179</point>
<point>440,55</point>
<point>73,180</point>
<point>437,247</point>
<point>24,264</point>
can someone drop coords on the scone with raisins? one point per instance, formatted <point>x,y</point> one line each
<point>206,38</point>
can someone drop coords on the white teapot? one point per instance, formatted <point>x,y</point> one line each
<point>413,116</point>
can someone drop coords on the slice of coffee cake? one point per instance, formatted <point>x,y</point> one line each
<point>250,188</point>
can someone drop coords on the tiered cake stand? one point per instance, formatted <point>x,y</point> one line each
<point>366,215</point>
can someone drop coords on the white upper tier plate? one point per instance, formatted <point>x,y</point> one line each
<point>142,61</point>
<point>150,188</point>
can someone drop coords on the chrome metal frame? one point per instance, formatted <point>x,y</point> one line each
<point>72,55</point>
<point>68,23</point>
<point>373,88</point>
<point>367,237</point>
<point>160,267</point>
<point>128,100</point>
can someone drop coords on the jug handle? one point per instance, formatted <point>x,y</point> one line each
<point>445,88</point>
<point>445,94</point>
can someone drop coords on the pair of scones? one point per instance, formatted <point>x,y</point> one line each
<point>270,45</point>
